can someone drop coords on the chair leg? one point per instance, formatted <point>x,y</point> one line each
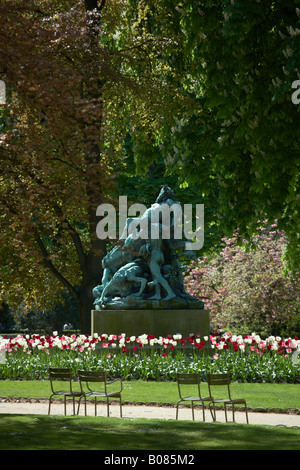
<point>215,412</point>
<point>49,405</point>
<point>95,406</point>
<point>65,404</point>
<point>233,418</point>
<point>246,413</point>
<point>212,415</point>
<point>193,411</point>
<point>120,408</point>
<point>177,411</point>
<point>79,401</point>
<point>225,413</point>
<point>107,407</point>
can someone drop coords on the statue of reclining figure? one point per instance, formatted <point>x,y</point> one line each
<point>121,283</point>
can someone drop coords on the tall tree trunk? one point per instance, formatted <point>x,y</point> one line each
<point>92,269</point>
<point>92,275</point>
<point>90,262</point>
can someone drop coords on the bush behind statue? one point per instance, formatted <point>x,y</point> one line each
<point>249,290</point>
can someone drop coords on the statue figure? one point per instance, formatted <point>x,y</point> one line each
<point>121,283</point>
<point>144,272</point>
<point>156,261</point>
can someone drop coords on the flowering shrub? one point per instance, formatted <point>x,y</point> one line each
<point>249,290</point>
<point>249,358</point>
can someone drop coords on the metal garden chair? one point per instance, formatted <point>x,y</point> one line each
<point>88,377</point>
<point>62,375</point>
<point>191,379</point>
<point>224,379</point>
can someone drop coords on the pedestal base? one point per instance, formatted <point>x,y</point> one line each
<point>153,322</point>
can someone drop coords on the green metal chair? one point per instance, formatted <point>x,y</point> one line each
<point>62,375</point>
<point>88,377</point>
<point>191,379</point>
<point>224,380</point>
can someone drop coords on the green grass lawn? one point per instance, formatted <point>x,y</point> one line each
<point>257,395</point>
<point>23,432</point>
<point>35,432</point>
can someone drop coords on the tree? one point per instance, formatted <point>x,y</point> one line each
<point>6,318</point>
<point>51,159</point>
<point>144,186</point>
<point>240,59</point>
<point>71,83</point>
<point>41,320</point>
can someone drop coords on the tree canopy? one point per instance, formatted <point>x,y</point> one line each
<point>204,87</point>
<point>238,62</point>
<point>73,82</point>
<point>243,60</point>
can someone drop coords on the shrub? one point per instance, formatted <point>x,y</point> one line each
<point>249,290</point>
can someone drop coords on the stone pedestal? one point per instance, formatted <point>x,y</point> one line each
<point>153,322</point>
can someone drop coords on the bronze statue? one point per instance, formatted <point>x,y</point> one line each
<point>145,272</point>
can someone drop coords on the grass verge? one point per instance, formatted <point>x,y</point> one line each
<point>258,395</point>
<point>35,432</point>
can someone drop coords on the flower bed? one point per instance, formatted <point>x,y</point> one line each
<point>249,358</point>
<point>227,341</point>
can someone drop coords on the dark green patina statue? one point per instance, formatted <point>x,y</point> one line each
<point>144,272</point>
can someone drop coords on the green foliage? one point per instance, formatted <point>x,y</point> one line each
<point>241,59</point>
<point>144,187</point>
<point>6,318</point>
<point>45,320</point>
<point>77,73</point>
<point>151,365</point>
<point>205,86</point>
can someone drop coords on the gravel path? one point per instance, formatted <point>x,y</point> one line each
<point>157,412</point>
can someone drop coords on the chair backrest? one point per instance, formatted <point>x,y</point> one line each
<point>92,376</point>
<point>188,379</point>
<point>219,379</point>
<point>60,374</point>
<point>89,376</point>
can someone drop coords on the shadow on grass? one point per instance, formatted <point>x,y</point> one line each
<point>35,432</point>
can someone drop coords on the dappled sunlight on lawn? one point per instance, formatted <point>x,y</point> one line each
<point>44,432</point>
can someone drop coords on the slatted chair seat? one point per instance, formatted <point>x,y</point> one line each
<point>88,377</point>
<point>224,380</point>
<point>191,379</point>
